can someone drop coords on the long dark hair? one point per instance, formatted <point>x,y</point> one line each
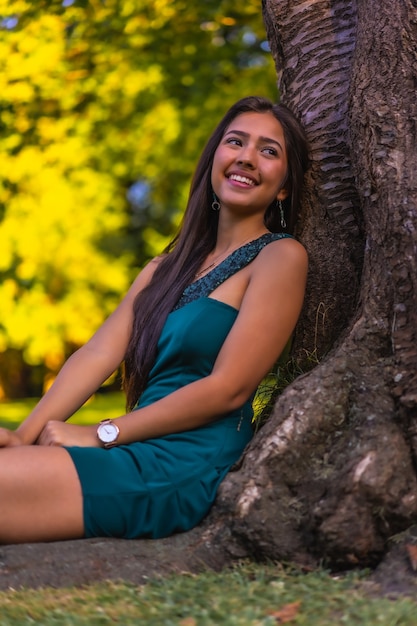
<point>196,238</point>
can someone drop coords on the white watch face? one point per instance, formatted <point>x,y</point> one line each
<point>108,433</point>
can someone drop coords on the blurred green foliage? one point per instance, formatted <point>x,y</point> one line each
<point>104,109</point>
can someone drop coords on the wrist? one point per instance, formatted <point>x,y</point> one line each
<point>107,433</point>
<point>26,438</point>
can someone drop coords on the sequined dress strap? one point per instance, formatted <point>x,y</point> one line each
<point>203,287</point>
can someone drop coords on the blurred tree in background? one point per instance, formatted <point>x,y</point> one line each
<point>104,108</point>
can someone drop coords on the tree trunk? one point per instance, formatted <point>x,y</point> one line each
<point>332,475</point>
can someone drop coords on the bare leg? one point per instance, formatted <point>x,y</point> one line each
<point>40,495</point>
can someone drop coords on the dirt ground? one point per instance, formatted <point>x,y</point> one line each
<point>76,563</point>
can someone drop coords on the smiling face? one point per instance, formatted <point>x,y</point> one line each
<point>250,163</point>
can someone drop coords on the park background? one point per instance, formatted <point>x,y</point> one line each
<point>105,108</point>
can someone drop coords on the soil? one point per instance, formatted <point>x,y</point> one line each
<point>86,561</point>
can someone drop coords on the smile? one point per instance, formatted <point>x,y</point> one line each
<point>242,179</point>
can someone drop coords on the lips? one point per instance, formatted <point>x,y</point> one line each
<point>245,180</point>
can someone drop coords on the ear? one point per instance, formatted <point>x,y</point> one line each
<point>282,194</point>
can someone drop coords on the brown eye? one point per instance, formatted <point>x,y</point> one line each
<point>270,151</point>
<point>234,141</point>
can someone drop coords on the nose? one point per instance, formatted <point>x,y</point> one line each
<point>246,157</point>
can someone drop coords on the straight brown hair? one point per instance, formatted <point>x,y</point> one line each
<point>196,238</point>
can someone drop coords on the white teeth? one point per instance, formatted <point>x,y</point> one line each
<point>242,179</point>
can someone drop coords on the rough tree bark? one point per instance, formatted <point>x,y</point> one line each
<point>332,475</point>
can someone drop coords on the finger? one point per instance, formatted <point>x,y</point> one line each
<point>4,438</point>
<point>53,441</point>
<point>9,438</point>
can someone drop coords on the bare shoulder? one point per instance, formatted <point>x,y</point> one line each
<point>148,270</point>
<point>282,256</point>
<point>144,277</point>
<point>151,266</point>
<point>287,246</point>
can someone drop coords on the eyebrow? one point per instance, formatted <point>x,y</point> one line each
<point>241,133</point>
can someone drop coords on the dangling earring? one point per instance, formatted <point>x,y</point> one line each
<point>215,205</point>
<point>281,212</point>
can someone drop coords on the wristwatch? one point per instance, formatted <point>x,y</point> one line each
<point>107,433</point>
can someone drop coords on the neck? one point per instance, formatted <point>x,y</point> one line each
<point>234,235</point>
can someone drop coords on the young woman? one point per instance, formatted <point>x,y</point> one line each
<point>197,331</point>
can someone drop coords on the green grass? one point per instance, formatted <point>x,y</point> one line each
<point>245,596</point>
<point>101,406</point>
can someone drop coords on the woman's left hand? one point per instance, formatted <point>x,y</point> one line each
<point>56,433</point>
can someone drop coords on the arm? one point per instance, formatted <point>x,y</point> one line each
<point>267,317</point>
<point>268,314</point>
<point>86,369</point>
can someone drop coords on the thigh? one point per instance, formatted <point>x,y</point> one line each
<point>40,495</point>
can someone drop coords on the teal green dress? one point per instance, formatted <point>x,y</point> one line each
<point>164,485</point>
